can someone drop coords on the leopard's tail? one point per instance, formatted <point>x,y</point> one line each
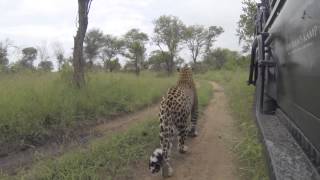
<point>155,162</point>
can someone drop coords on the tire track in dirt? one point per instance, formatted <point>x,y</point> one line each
<point>24,159</point>
<point>209,156</point>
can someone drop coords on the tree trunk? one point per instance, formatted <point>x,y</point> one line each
<point>78,60</point>
<point>90,64</point>
<point>171,64</point>
<point>194,60</point>
<point>137,66</point>
<point>168,66</point>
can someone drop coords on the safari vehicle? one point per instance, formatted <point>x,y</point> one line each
<point>285,68</point>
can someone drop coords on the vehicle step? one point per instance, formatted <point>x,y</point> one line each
<point>286,158</point>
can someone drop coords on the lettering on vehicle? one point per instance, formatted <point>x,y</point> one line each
<point>303,39</point>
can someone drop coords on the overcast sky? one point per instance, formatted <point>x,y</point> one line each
<point>33,22</point>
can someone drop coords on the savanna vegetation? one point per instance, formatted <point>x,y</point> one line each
<point>42,101</point>
<point>37,105</point>
<point>110,75</point>
<point>108,157</point>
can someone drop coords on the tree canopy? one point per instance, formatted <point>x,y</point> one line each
<point>168,36</point>
<point>93,42</point>
<point>246,27</point>
<point>29,55</point>
<point>135,47</point>
<point>199,39</point>
<point>4,54</point>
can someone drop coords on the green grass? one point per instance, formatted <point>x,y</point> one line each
<point>107,158</point>
<point>249,150</point>
<point>205,93</point>
<point>33,106</point>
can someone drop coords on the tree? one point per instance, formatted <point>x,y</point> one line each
<point>157,59</point>
<point>200,39</point>
<point>29,54</point>
<point>135,47</point>
<point>113,65</point>
<point>46,65</point>
<point>223,58</point>
<point>195,38</point>
<point>78,60</point>
<point>169,34</point>
<point>213,33</point>
<point>93,42</point>
<point>43,52</point>
<point>59,54</point>
<point>216,58</point>
<point>4,61</point>
<point>112,47</point>
<point>246,24</point>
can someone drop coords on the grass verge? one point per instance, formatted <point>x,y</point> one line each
<point>249,150</point>
<point>106,158</point>
<point>34,106</point>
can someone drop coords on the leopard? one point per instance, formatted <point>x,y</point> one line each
<point>178,117</point>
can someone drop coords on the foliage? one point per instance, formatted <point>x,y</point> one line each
<point>224,58</point>
<point>34,106</point>
<point>46,66</point>
<point>157,60</point>
<point>213,33</point>
<point>113,65</point>
<point>43,53</point>
<point>169,34</point>
<point>246,24</point>
<point>59,54</point>
<point>4,61</point>
<point>112,46</point>
<point>93,42</point>
<point>29,55</point>
<point>135,47</point>
<point>205,93</point>
<point>195,37</point>
<point>199,40</point>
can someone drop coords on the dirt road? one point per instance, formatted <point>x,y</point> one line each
<point>209,156</point>
<point>13,162</point>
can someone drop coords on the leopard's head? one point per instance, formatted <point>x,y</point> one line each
<point>185,75</point>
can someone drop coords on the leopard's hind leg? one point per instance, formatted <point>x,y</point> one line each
<point>182,127</point>
<point>194,117</point>
<point>166,134</point>
<point>181,140</point>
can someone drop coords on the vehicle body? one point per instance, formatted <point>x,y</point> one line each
<point>285,67</point>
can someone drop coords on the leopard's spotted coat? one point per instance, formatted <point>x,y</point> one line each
<point>176,107</point>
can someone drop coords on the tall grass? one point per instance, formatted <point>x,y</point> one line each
<point>249,150</point>
<point>109,157</point>
<point>34,105</point>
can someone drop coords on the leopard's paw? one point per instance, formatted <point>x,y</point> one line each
<point>183,149</point>
<point>193,133</point>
